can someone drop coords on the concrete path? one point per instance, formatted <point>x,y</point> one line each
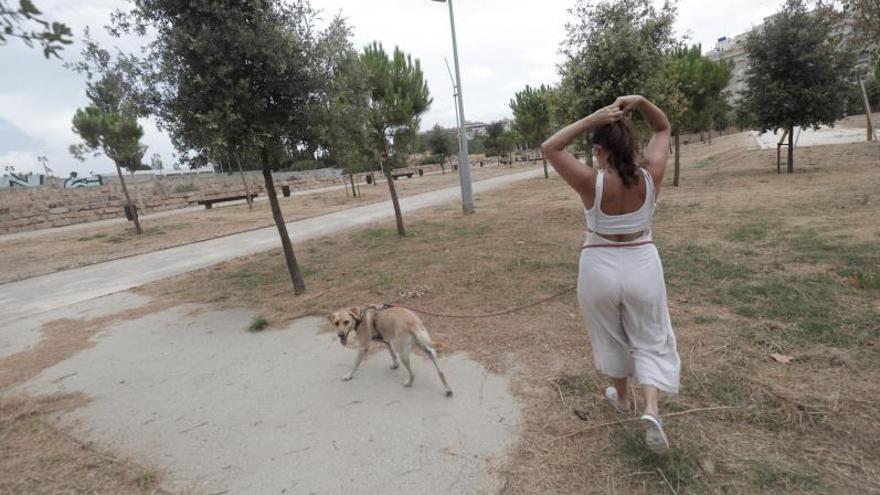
<point>810,137</point>
<point>221,410</point>
<point>60,289</point>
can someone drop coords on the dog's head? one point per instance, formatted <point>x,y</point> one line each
<point>345,320</point>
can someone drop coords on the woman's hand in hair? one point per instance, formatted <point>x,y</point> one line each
<point>606,115</point>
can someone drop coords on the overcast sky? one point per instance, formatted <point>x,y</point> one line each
<point>503,45</point>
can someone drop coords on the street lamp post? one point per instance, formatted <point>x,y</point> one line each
<point>464,171</point>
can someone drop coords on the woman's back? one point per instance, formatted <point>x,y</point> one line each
<point>617,198</point>
<point>620,212</point>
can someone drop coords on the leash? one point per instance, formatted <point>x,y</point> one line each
<point>516,308</point>
<point>489,315</point>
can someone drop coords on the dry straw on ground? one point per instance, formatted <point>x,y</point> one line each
<point>757,263</point>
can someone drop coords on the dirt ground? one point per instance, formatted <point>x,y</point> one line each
<point>860,122</point>
<point>757,264</point>
<point>31,256</point>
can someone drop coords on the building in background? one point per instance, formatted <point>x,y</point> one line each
<point>733,49</point>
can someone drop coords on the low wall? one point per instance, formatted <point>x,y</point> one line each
<point>52,206</point>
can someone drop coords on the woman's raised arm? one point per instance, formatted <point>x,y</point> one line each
<point>581,178</point>
<point>657,151</point>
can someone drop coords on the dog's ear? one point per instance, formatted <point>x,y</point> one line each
<point>330,317</point>
<point>355,313</point>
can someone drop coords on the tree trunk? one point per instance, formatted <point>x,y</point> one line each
<point>546,173</point>
<point>398,215</point>
<point>791,149</point>
<point>710,136</point>
<point>131,206</point>
<point>353,190</point>
<point>299,285</point>
<point>867,105</point>
<point>677,169</point>
<point>247,189</point>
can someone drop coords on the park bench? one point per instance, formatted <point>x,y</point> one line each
<point>209,203</point>
<point>404,172</point>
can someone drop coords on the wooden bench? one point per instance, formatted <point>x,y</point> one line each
<point>209,203</point>
<point>403,173</point>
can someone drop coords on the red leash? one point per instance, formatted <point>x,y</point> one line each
<point>520,308</point>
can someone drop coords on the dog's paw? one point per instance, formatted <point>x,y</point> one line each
<point>408,383</point>
<point>448,392</point>
<point>395,366</point>
<point>346,377</point>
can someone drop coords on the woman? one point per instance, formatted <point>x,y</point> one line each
<point>620,286</point>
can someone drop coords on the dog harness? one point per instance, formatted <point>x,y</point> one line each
<point>375,335</point>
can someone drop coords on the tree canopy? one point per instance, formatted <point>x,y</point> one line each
<point>532,114</point>
<point>441,143</point>
<point>499,140</point>
<point>800,71</point>
<point>398,96</point>
<point>701,83</point>
<point>222,79</point>
<point>613,48</point>
<point>26,23</point>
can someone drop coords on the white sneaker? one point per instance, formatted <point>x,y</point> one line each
<point>611,397</point>
<point>655,437</point>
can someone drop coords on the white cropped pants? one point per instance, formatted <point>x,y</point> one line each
<point>622,295</point>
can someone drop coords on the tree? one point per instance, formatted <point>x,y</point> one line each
<point>156,162</point>
<point>799,71</point>
<point>398,96</point>
<point>242,79</point>
<point>700,83</point>
<point>614,48</point>
<point>532,109</point>
<point>52,36</point>
<point>344,133</point>
<point>441,144</point>
<point>499,140</point>
<point>109,124</point>
<point>866,14</point>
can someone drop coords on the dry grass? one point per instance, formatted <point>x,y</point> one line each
<point>30,256</point>
<point>39,458</point>
<point>756,263</point>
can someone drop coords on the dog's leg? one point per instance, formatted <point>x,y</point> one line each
<point>362,351</point>
<point>394,363</point>
<point>405,349</point>
<point>433,355</point>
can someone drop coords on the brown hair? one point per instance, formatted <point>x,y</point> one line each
<point>620,139</point>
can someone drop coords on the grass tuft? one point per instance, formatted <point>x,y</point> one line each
<point>258,324</point>
<point>92,237</point>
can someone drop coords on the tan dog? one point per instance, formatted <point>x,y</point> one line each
<point>397,328</point>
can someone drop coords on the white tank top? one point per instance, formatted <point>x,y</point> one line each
<point>626,223</point>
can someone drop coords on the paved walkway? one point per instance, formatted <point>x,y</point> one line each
<point>57,290</point>
<point>810,137</point>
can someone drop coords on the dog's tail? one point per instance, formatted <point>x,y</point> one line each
<point>423,339</point>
